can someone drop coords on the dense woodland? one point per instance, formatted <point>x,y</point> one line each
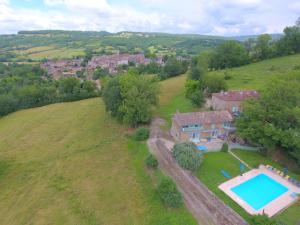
<point>25,86</point>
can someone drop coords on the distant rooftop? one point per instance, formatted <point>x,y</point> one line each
<point>237,95</point>
<point>208,117</point>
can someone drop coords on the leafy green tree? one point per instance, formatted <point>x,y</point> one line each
<point>229,54</point>
<point>69,88</point>
<point>292,39</point>
<point>194,92</point>
<point>130,97</point>
<point>274,119</point>
<point>139,94</point>
<point>169,194</point>
<point>214,83</point>
<point>263,49</point>
<point>100,72</point>
<point>187,156</point>
<point>112,97</point>
<point>174,67</point>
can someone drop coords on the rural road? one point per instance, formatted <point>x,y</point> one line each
<point>202,203</point>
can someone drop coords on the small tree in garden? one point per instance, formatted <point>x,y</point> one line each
<point>169,194</point>
<point>224,147</point>
<point>263,220</point>
<point>187,156</point>
<point>151,161</point>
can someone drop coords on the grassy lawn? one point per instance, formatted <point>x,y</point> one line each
<point>71,163</point>
<point>172,98</point>
<point>257,75</point>
<point>209,173</point>
<point>290,215</point>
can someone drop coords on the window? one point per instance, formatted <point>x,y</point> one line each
<point>227,124</point>
<point>235,109</point>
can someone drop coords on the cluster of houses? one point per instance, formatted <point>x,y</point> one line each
<point>62,68</point>
<point>203,127</point>
<point>65,68</point>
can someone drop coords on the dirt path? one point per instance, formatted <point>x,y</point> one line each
<point>202,203</point>
<point>239,159</point>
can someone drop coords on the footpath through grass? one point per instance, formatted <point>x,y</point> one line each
<point>70,163</point>
<point>210,174</point>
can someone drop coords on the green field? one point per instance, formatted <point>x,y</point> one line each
<point>209,173</point>
<point>257,75</point>
<point>71,163</point>
<point>172,98</point>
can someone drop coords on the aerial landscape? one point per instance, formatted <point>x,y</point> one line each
<point>152,112</point>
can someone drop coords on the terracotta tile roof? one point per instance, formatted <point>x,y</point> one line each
<point>208,117</point>
<point>237,95</point>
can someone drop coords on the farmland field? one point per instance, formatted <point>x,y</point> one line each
<point>71,163</point>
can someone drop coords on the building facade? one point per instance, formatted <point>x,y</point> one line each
<point>231,100</point>
<point>197,126</point>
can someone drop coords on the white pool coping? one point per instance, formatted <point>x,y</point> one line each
<point>274,206</point>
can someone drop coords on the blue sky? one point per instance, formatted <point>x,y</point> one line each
<point>214,17</point>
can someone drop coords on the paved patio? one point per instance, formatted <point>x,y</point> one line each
<point>275,206</point>
<point>212,146</point>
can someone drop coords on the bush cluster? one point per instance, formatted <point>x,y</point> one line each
<point>141,134</point>
<point>151,162</point>
<point>224,148</point>
<point>169,194</point>
<point>187,156</point>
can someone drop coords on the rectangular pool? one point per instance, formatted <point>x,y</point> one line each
<point>259,191</point>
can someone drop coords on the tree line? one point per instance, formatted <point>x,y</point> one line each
<point>26,86</point>
<point>273,120</point>
<point>233,53</point>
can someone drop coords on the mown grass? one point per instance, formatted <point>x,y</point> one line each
<point>71,163</point>
<point>290,215</point>
<point>210,174</point>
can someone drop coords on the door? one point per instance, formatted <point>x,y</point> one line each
<point>195,137</point>
<point>215,133</point>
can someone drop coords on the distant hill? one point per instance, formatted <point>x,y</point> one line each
<point>245,37</point>
<point>40,44</point>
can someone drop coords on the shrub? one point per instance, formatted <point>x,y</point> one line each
<point>224,148</point>
<point>141,134</point>
<point>151,162</point>
<point>262,220</point>
<point>187,156</point>
<point>169,194</point>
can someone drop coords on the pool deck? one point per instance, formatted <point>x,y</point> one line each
<point>274,206</point>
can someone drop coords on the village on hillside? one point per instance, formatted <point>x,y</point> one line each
<point>72,67</point>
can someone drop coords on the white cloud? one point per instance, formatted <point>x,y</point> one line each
<point>217,17</point>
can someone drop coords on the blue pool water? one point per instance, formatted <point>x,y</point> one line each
<point>202,148</point>
<point>259,191</point>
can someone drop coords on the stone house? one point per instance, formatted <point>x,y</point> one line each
<point>197,126</point>
<point>231,100</point>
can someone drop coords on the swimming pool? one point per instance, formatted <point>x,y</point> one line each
<point>259,191</point>
<point>202,148</point>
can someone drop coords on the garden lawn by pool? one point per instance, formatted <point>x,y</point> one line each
<point>259,191</point>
